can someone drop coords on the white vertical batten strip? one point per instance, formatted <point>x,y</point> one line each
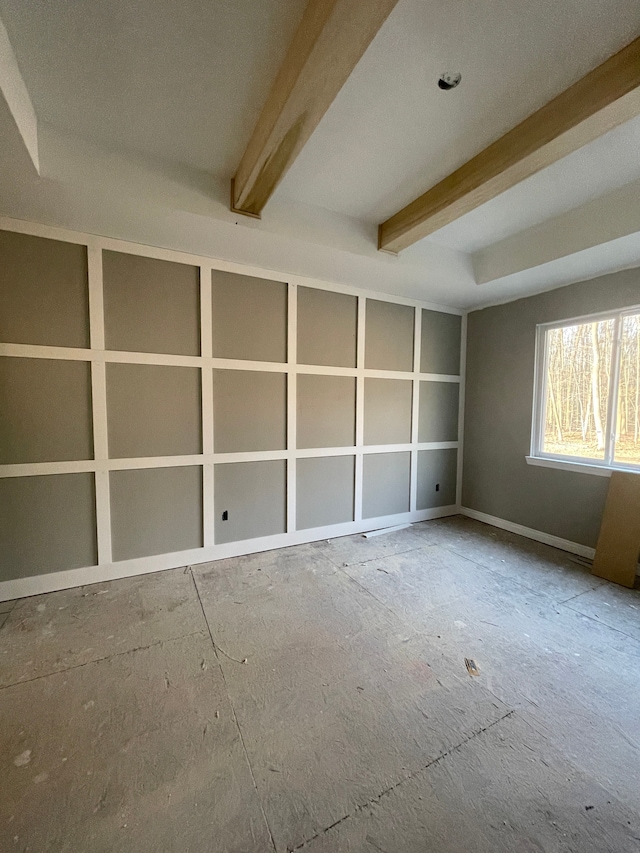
<point>206,351</point>
<point>415,408</point>
<point>360,358</point>
<point>292,404</point>
<point>461,401</point>
<point>99,399</point>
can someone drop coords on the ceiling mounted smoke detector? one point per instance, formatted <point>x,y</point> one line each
<point>448,81</point>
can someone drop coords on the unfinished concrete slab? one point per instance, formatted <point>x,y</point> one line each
<point>137,752</point>
<point>53,632</point>
<point>531,563</point>
<point>335,701</point>
<point>612,605</point>
<point>335,711</point>
<point>503,790</point>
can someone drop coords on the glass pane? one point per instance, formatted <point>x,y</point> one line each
<point>578,371</point>
<point>627,449</point>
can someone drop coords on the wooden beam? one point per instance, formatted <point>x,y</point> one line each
<point>603,99</point>
<point>330,40</point>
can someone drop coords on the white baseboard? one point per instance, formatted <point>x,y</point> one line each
<point>530,533</point>
<point>54,581</point>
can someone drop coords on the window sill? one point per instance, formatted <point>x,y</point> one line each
<point>567,465</point>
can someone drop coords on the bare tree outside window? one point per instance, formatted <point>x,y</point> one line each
<point>627,445</point>
<point>578,379</point>
<point>585,364</point>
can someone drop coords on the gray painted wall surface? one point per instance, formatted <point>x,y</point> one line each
<point>388,336</point>
<point>327,324</point>
<point>324,491</point>
<point>385,484</point>
<point>249,317</point>
<point>250,411</point>
<point>153,410</point>
<point>498,410</point>
<point>45,410</point>
<point>150,305</point>
<point>387,411</point>
<point>254,496</point>
<point>44,298</point>
<point>440,343</point>
<point>326,411</point>
<point>155,511</point>
<point>438,411</point>
<point>437,468</point>
<point>47,524</point>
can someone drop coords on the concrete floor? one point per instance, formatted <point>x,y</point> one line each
<point>316,698</point>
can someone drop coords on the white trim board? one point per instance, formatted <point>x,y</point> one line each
<point>530,533</point>
<point>54,581</point>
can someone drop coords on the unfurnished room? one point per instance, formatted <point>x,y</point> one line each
<point>319,426</point>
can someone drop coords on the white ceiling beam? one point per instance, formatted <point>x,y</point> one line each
<point>600,101</point>
<point>17,97</point>
<point>329,42</point>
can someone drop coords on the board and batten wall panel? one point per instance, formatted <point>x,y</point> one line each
<point>325,491</point>
<point>498,413</point>
<point>44,297</point>
<point>150,305</point>
<point>250,410</point>
<point>45,410</point>
<point>159,411</point>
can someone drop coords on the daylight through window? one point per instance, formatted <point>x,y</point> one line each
<point>588,391</point>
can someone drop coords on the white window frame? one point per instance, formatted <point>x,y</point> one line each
<point>604,467</point>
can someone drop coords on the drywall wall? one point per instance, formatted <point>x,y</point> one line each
<point>169,411</point>
<point>498,412</point>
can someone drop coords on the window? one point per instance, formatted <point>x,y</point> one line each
<point>587,393</point>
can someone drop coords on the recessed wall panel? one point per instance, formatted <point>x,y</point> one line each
<point>440,343</point>
<point>249,317</point>
<point>325,491</point>
<point>47,524</point>
<point>249,410</point>
<point>253,495</point>
<point>45,410</point>
<point>389,330</point>
<point>385,484</point>
<point>327,325</point>
<point>387,411</point>
<point>437,474</point>
<point>150,305</point>
<point>153,410</point>
<point>155,511</point>
<point>44,295</point>
<point>326,410</point>
<point>438,419</point>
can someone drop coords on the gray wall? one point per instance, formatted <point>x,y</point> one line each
<point>54,405</point>
<point>498,411</point>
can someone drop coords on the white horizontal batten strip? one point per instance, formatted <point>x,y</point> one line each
<point>73,466</point>
<point>60,353</point>
<point>167,359</point>
<point>39,469</point>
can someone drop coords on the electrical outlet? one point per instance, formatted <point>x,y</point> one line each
<point>225,515</point>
